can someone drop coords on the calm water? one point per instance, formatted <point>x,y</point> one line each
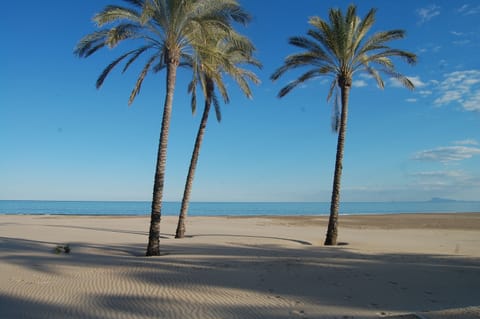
<point>229,208</point>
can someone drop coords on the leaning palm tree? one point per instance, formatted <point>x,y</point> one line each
<point>340,48</point>
<point>223,54</point>
<point>169,31</point>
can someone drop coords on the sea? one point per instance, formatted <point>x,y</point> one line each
<point>140,208</point>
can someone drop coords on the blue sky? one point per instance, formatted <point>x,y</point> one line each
<point>61,139</point>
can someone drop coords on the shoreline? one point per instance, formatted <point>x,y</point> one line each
<point>244,267</point>
<point>462,221</point>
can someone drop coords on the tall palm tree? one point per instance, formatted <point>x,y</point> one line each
<point>223,55</point>
<point>170,31</point>
<point>340,48</point>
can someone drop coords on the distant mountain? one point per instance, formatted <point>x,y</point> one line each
<point>442,200</point>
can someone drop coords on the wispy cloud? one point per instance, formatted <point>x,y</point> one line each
<point>469,141</point>
<point>425,93</point>
<point>446,182</point>
<point>414,79</point>
<point>447,154</point>
<point>359,83</point>
<point>461,87</point>
<point>467,9</point>
<point>411,100</point>
<point>461,42</point>
<point>427,13</point>
<point>438,174</point>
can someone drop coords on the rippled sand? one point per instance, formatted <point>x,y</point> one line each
<point>241,267</point>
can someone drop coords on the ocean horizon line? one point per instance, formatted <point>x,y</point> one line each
<point>169,208</point>
<point>435,199</point>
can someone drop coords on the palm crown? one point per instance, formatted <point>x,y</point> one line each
<point>222,55</point>
<point>339,48</point>
<point>170,31</point>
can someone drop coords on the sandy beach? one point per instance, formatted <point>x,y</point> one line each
<point>394,266</point>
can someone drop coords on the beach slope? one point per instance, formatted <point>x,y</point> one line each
<point>241,267</point>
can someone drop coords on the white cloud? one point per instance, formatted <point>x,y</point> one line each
<point>473,102</point>
<point>456,33</point>
<point>462,87</point>
<point>359,83</point>
<point>411,100</point>
<point>427,13</point>
<point>365,76</point>
<point>425,93</point>
<point>461,42</point>
<point>469,141</point>
<point>438,174</point>
<point>468,10</point>
<point>446,182</point>
<point>446,154</point>
<point>414,79</point>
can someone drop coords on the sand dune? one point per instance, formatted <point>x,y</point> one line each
<point>255,267</point>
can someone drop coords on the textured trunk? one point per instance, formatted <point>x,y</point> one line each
<point>153,248</point>
<point>332,231</point>
<point>193,163</point>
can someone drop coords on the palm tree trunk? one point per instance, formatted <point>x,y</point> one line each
<point>193,163</point>
<point>153,248</point>
<point>332,231</point>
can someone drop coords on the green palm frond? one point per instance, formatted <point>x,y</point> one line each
<point>121,32</point>
<point>216,105</point>
<point>171,30</point>
<point>140,79</point>
<point>363,28</point>
<point>135,54</point>
<point>339,47</point>
<point>113,13</point>
<point>90,43</point>
<point>335,124</point>
<point>110,67</point>
<point>333,86</point>
<point>222,53</point>
<point>192,89</point>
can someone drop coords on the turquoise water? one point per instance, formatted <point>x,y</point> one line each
<point>230,208</point>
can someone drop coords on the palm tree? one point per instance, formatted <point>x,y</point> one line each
<point>170,31</point>
<point>223,55</point>
<point>340,49</point>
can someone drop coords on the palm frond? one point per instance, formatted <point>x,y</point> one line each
<point>216,105</point>
<point>339,46</point>
<point>140,79</point>
<point>121,32</point>
<point>336,112</point>
<point>136,53</point>
<point>333,86</point>
<point>192,89</point>
<point>378,40</point>
<point>409,57</point>
<point>363,28</point>
<point>376,76</point>
<point>114,13</point>
<point>90,43</point>
<point>293,84</point>
<point>110,67</point>
<point>405,81</point>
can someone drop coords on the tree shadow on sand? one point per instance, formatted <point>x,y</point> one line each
<point>218,281</point>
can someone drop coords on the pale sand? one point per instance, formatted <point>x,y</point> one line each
<point>260,267</point>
